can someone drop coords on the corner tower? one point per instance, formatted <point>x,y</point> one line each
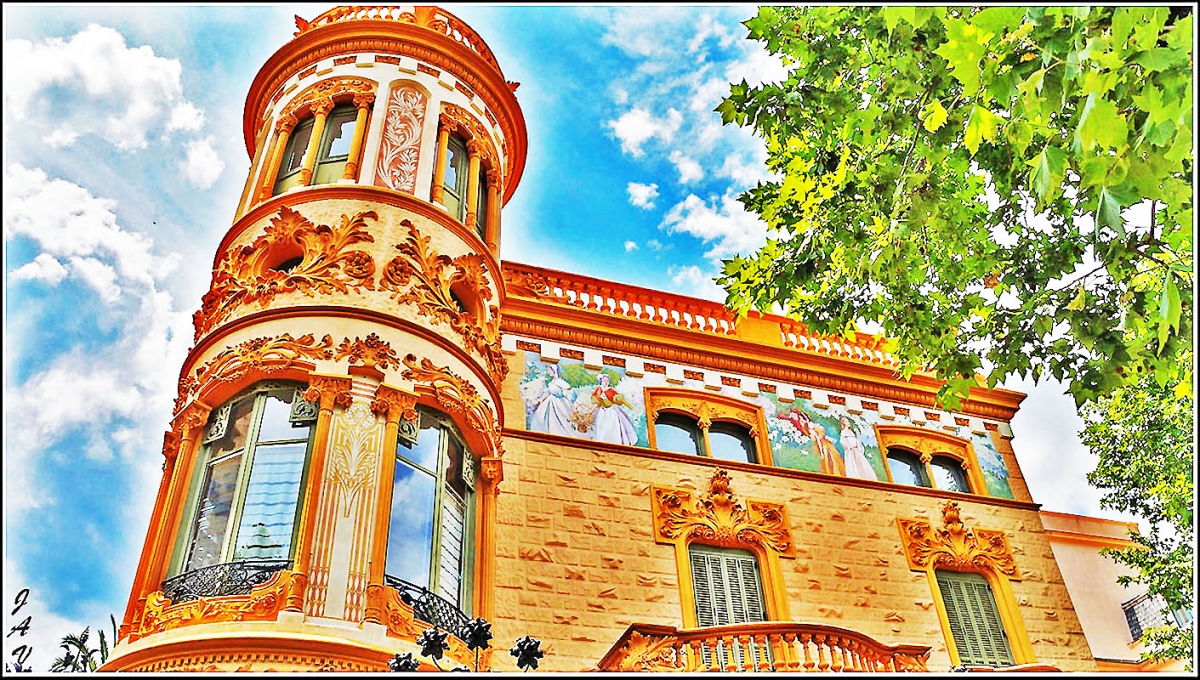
<point>331,471</point>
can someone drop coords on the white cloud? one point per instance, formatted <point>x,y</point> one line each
<point>642,195</point>
<point>44,268</point>
<point>694,281</point>
<point>630,246</point>
<point>640,32</point>
<point>62,137</point>
<point>202,166</point>
<point>689,170</point>
<point>94,83</point>
<point>724,223</point>
<point>101,277</point>
<point>757,67</point>
<point>638,126</point>
<point>653,244</point>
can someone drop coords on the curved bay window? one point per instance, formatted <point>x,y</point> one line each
<point>333,144</point>
<point>429,547</point>
<point>455,173</point>
<point>251,470</point>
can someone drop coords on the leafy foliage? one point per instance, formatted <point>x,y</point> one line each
<point>1142,435</point>
<point>963,177</point>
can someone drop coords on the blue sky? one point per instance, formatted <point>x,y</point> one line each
<point>123,165</point>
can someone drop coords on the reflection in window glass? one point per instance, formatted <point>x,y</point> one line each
<point>730,441</point>
<point>906,468</point>
<point>455,183</point>
<point>677,434</point>
<point>339,133</point>
<point>410,531</point>
<point>293,155</point>
<point>212,517</point>
<point>236,431</point>
<point>949,475</point>
<point>269,511</point>
<point>276,425</point>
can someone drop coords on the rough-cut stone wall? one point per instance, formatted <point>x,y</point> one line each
<point>577,562</point>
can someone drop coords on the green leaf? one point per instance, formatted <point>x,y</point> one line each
<point>964,47</point>
<point>980,127</point>
<point>1108,208</point>
<point>1048,169</point>
<point>997,20</point>
<point>933,115</point>
<point>893,15</point>
<point>1079,301</point>
<point>1101,124</point>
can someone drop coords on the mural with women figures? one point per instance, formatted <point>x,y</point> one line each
<point>607,405</point>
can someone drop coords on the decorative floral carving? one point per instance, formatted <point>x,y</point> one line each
<point>371,352</point>
<point>265,354</point>
<point>400,148</point>
<point>719,517</point>
<point>323,93</point>
<point>458,397</point>
<point>649,653</point>
<point>389,398</point>
<point>956,546</point>
<point>422,277</point>
<point>520,282</point>
<point>262,604</point>
<point>356,437</point>
<point>400,622</point>
<point>327,264</point>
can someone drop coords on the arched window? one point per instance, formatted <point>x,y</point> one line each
<point>679,433</point>
<point>907,468</point>
<point>255,454</point>
<point>694,423</point>
<point>940,472</point>
<point>430,524</point>
<point>456,172</point>
<point>935,460</point>
<point>329,156</point>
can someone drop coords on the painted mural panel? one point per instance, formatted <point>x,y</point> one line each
<point>608,405</point>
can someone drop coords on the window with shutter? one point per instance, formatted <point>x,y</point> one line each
<point>975,624</point>
<point>728,590</point>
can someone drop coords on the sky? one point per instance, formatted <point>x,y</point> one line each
<point>123,165</point>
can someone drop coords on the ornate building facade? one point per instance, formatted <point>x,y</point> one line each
<point>381,427</point>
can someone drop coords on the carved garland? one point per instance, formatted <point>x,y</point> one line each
<point>956,546</point>
<point>326,91</point>
<point>422,277</point>
<point>720,518</point>
<point>459,397</point>
<point>266,354</point>
<point>327,264</point>
<point>262,604</point>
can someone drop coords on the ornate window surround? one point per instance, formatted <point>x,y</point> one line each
<point>717,518</point>
<point>707,408</point>
<point>957,547</point>
<point>482,160</point>
<point>929,443</point>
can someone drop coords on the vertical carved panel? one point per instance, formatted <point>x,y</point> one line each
<point>400,148</point>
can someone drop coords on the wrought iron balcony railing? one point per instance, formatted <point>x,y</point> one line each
<point>428,606</point>
<point>229,578</point>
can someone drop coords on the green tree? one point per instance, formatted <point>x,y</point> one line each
<point>1143,436</point>
<point>962,177</point>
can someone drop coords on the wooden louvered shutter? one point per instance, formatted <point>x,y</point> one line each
<point>727,587</point>
<point>974,620</point>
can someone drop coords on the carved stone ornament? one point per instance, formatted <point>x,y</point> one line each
<point>401,623</point>
<point>262,604</point>
<point>328,264</point>
<point>956,546</point>
<point>643,653</point>
<point>458,397</point>
<point>528,284</point>
<point>302,411</point>
<point>400,147</point>
<point>264,354</point>
<point>420,276</point>
<point>718,517</point>
<point>354,442</point>
<point>326,91</point>
<point>371,352</point>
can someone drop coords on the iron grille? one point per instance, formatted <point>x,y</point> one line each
<point>230,578</point>
<point>428,606</point>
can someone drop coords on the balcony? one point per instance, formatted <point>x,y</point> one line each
<point>220,580</point>
<point>428,606</point>
<point>770,646</point>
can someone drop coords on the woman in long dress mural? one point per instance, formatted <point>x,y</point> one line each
<point>553,411</point>
<point>823,446</point>
<point>611,422</point>
<point>857,464</point>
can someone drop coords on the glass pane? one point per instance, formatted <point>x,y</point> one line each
<point>275,425</point>
<point>265,531</point>
<point>450,558</point>
<point>339,132</point>
<point>456,167</point>
<point>677,434</point>
<point>425,453</point>
<point>906,468</point>
<point>293,155</point>
<point>452,465</point>
<point>410,529</point>
<point>212,514</point>
<point>949,475</point>
<point>329,172</point>
<point>236,431</point>
<point>481,206</point>
<point>731,442</point>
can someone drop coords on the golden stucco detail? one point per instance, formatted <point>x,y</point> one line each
<point>718,517</point>
<point>255,273</point>
<point>400,147</point>
<point>451,291</point>
<point>459,398</point>
<point>262,604</point>
<point>371,352</point>
<point>530,284</point>
<point>956,546</point>
<point>655,653</point>
<point>457,119</point>
<point>325,93</point>
<point>356,438</point>
<point>268,355</point>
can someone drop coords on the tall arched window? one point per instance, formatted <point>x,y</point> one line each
<point>430,525</point>
<point>329,155</point>
<point>454,184</point>
<point>253,462</point>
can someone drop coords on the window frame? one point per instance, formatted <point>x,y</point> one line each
<point>449,429</point>
<point>927,445</point>
<point>456,141</point>
<point>727,554</point>
<point>321,159</point>
<point>964,617</point>
<point>259,393</point>
<point>706,410</point>
<point>289,180</point>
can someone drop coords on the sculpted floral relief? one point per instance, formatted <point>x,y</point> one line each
<point>371,352</point>
<point>262,604</point>
<point>266,354</point>
<point>400,148</point>
<point>420,276</point>
<point>719,517</point>
<point>458,397</point>
<point>956,546</point>
<point>325,263</point>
